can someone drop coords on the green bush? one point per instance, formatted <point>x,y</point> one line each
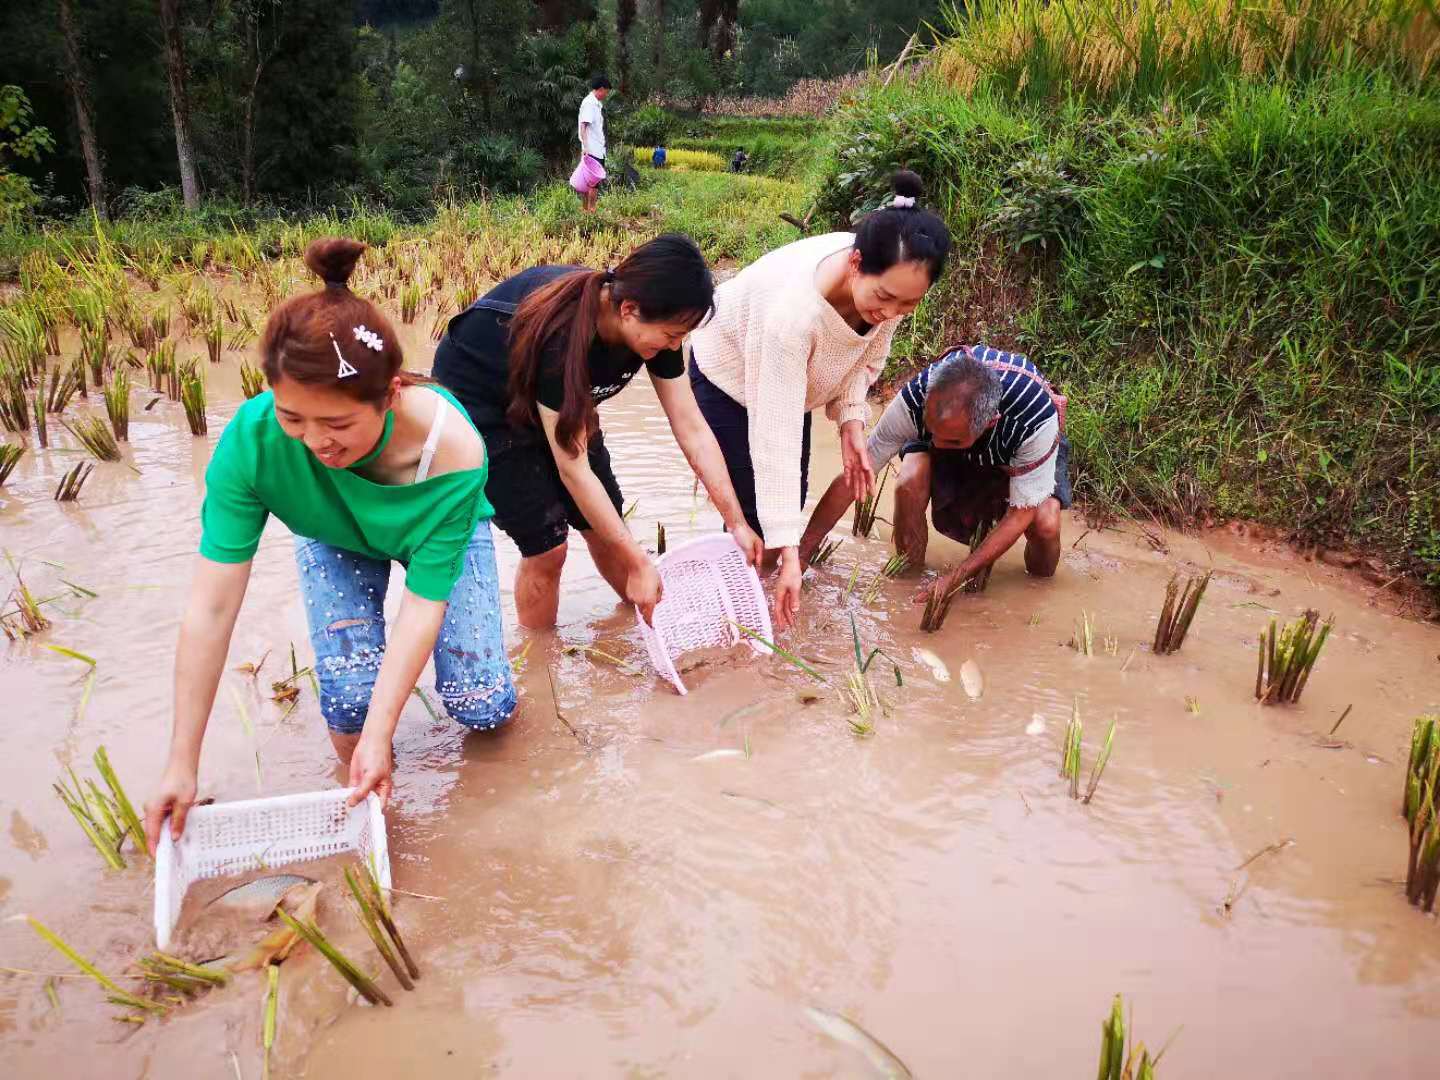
<point>1239,293</point>
<point>647,126</point>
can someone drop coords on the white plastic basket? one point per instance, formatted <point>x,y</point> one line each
<point>237,837</point>
<point>708,588</point>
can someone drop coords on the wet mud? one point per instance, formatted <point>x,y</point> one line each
<point>607,897</point>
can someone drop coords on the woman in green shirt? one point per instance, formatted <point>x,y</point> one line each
<point>366,464</point>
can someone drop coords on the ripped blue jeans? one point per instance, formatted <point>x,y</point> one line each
<point>344,596</point>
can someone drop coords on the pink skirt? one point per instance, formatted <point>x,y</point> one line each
<point>587,175</point>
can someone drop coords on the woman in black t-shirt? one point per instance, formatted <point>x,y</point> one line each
<point>532,358</point>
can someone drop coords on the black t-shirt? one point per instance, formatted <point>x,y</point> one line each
<point>473,360</point>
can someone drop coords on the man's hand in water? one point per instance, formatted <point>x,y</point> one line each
<point>748,541</point>
<point>175,797</point>
<point>371,766</point>
<point>643,587</point>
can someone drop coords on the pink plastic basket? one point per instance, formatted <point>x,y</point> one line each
<point>708,588</point>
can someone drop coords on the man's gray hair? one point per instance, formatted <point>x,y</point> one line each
<point>960,382</point>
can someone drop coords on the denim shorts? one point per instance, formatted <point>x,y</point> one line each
<point>344,596</point>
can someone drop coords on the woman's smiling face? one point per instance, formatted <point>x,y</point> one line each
<point>334,427</point>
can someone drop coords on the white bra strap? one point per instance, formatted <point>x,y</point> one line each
<point>427,455</point>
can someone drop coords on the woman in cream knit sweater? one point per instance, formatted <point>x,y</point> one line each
<point>807,325</point>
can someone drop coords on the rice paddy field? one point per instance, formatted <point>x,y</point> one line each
<point>945,858</point>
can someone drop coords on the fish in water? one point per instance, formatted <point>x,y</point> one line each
<point>260,895</point>
<point>842,1030</point>
<point>1036,725</point>
<point>717,755</point>
<point>934,663</point>
<point>972,679</point>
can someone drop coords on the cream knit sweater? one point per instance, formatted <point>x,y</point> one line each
<point>778,348</point>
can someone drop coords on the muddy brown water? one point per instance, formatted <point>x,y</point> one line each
<point>611,906</point>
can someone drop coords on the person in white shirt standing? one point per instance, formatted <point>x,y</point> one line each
<point>591,171</point>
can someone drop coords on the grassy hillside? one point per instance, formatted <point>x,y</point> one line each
<point>1225,245</point>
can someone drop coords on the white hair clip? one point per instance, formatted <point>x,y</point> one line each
<point>903,202</point>
<point>369,338</point>
<point>346,368</point>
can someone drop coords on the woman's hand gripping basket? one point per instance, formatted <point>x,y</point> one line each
<point>259,834</point>
<point>708,588</point>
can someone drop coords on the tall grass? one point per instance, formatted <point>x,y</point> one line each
<point>1237,290</point>
<point>1147,49</point>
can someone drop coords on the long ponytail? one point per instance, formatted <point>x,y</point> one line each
<point>567,309</point>
<point>666,278</point>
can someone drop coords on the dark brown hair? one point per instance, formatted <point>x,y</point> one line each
<point>666,278</point>
<point>302,334</point>
<point>895,234</point>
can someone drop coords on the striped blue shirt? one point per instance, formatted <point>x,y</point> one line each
<point>1025,431</point>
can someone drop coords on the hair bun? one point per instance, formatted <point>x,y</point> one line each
<point>906,184</point>
<point>333,258</point>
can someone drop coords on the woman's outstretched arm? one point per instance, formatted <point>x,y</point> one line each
<point>215,598</point>
<point>701,450</point>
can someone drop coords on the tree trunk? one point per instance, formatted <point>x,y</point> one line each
<point>624,20</point>
<point>658,51</point>
<point>179,100</point>
<point>79,90</point>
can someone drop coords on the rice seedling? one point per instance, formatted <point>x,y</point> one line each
<point>115,994</point>
<point>94,353</point>
<point>1083,639</point>
<point>370,919</point>
<point>97,818</point>
<point>192,396</point>
<point>821,555</point>
<point>937,605</point>
<point>240,339</point>
<point>778,651</point>
<point>87,309</point>
<point>159,326</point>
<point>63,384</point>
<point>37,408</point>
<point>230,308</point>
<point>215,340</point>
<point>23,339</point>
<point>1287,656</point>
<point>94,436</point>
<point>312,934</point>
<point>980,580</point>
<point>659,539</point>
<point>864,520</point>
<point>1421,809</point>
<point>14,402</point>
<point>117,404</point>
<point>1070,756</point>
<point>1115,1062</point>
<point>1070,752</point>
<point>410,302</point>
<point>252,379</point>
<point>160,363</point>
<point>10,455</point>
<point>162,969</point>
<point>600,654</point>
<point>441,319</point>
<point>27,618</point>
<point>198,307</point>
<point>894,566</point>
<point>68,490</point>
<point>1178,612</point>
<point>272,1004</point>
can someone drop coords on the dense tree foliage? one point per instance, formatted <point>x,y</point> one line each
<point>396,101</point>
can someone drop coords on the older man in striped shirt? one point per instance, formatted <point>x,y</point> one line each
<point>978,433</point>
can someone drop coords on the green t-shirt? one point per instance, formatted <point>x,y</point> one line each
<point>258,470</point>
